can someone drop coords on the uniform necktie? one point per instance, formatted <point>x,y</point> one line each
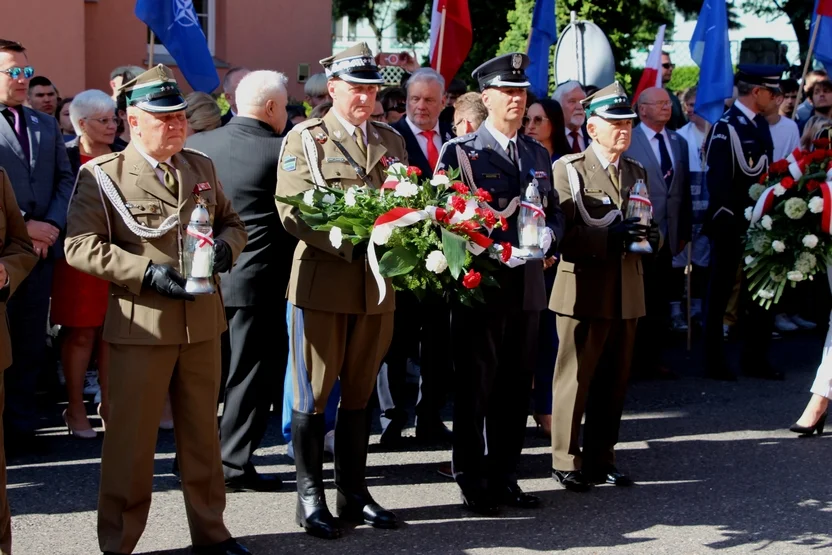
<point>664,155</point>
<point>170,179</point>
<point>576,146</point>
<point>511,150</point>
<point>613,169</point>
<point>433,154</point>
<point>359,139</point>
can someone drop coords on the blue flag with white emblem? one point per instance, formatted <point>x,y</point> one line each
<point>176,25</point>
<point>710,49</point>
<point>543,36</point>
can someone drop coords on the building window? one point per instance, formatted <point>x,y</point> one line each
<point>206,14</point>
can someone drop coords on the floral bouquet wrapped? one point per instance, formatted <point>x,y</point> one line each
<point>788,240</point>
<point>427,238</point>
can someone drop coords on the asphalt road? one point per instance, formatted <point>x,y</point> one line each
<point>717,471</point>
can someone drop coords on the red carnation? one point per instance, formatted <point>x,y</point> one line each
<point>440,172</point>
<point>780,166</point>
<point>413,170</point>
<point>472,279</point>
<point>483,195</point>
<point>468,226</point>
<point>441,215</point>
<point>812,185</point>
<point>506,254</point>
<point>459,188</point>
<point>763,178</point>
<point>490,218</point>
<point>458,203</point>
<point>787,182</point>
<point>821,143</point>
<point>503,223</point>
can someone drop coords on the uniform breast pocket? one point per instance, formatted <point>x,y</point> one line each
<point>147,212</point>
<point>597,203</point>
<point>501,190</point>
<point>340,175</point>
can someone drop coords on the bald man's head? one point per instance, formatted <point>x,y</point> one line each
<point>654,107</point>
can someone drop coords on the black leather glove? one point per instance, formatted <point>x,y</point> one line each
<point>166,281</point>
<point>222,256</point>
<point>654,237</point>
<point>621,234</point>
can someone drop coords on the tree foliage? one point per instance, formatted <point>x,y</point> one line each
<point>378,13</point>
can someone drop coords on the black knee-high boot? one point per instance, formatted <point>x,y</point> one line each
<point>308,440</point>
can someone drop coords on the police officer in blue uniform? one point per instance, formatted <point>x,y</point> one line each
<point>738,151</point>
<point>494,371</point>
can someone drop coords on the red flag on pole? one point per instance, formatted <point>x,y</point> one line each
<point>825,8</point>
<point>652,74</point>
<point>451,35</point>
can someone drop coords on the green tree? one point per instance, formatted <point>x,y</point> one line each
<point>378,13</point>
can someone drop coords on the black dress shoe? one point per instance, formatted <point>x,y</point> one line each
<point>364,509</point>
<point>573,480</point>
<point>513,496</point>
<point>252,481</point>
<point>228,547</point>
<point>610,476</point>
<point>478,500</point>
<point>433,432</point>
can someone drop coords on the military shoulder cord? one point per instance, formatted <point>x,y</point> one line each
<point>575,188</point>
<point>736,146</point>
<point>310,149</point>
<point>468,177</point>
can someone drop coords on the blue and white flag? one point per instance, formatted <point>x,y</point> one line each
<point>177,26</point>
<point>710,49</point>
<point>543,36</point>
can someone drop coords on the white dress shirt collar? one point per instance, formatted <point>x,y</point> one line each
<point>417,131</point>
<point>601,158</point>
<point>745,110</point>
<point>348,127</point>
<point>501,139</point>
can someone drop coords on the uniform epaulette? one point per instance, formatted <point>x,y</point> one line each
<point>386,126</point>
<point>109,157</point>
<point>306,124</point>
<point>571,157</point>
<point>461,139</point>
<point>633,161</point>
<point>194,151</point>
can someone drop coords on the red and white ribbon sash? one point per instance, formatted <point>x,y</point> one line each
<point>763,205</point>
<point>205,239</point>
<point>826,215</point>
<point>538,212</point>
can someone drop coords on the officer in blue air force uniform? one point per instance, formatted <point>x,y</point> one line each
<point>494,370</point>
<point>737,151</point>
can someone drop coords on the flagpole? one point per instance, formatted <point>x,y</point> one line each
<point>152,48</point>
<point>441,40</point>
<point>807,64</point>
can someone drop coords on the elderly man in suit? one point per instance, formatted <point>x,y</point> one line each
<point>32,152</point>
<point>664,155</point>
<point>126,223</point>
<point>493,372</point>
<point>246,152</point>
<point>598,295</point>
<point>17,258</point>
<point>570,94</point>
<point>340,329</point>
<point>429,321</point>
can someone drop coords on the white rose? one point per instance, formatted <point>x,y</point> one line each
<point>795,276</point>
<point>328,198</point>
<point>766,222</point>
<point>309,197</point>
<point>406,189</point>
<point>436,262</point>
<point>778,246</point>
<point>381,235</point>
<point>748,213</point>
<point>810,241</point>
<point>779,190</point>
<point>440,180</point>
<point>349,196</point>
<point>766,294</point>
<point>749,260</point>
<point>816,205</point>
<point>336,237</point>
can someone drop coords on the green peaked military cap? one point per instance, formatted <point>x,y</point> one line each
<point>356,64</point>
<point>611,103</point>
<point>155,90</point>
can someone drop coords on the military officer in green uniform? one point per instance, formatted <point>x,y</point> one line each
<point>125,225</point>
<point>337,328</point>
<point>598,294</point>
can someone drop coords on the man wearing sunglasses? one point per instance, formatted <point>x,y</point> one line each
<point>677,116</point>
<point>32,152</point>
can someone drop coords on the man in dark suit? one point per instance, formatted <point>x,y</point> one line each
<point>497,341</point>
<point>737,152</point>
<point>569,95</point>
<point>245,153</point>
<point>229,88</point>
<point>664,155</point>
<point>32,152</point>
<point>424,134</point>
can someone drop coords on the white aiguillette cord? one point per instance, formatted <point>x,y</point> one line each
<point>575,189</point>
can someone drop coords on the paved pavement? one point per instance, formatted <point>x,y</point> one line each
<point>717,471</point>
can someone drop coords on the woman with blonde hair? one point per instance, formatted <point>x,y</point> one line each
<point>202,112</point>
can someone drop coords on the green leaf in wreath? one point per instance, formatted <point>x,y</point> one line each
<point>397,261</point>
<point>453,247</point>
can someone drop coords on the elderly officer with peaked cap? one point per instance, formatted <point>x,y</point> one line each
<point>738,151</point>
<point>126,223</point>
<point>494,373</point>
<point>338,328</point>
<point>598,294</point>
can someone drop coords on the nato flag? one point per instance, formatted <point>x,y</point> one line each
<point>544,35</point>
<point>175,24</point>
<point>711,51</point>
